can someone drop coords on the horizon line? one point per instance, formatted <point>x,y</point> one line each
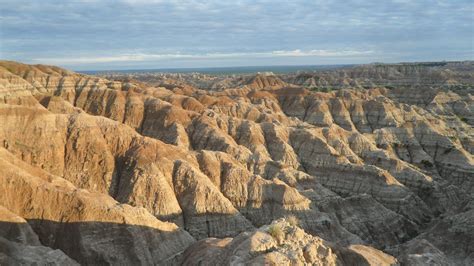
<point>263,66</point>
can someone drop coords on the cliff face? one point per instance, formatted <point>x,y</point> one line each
<point>101,171</point>
<point>281,243</point>
<point>403,74</point>
<point>454,75</point>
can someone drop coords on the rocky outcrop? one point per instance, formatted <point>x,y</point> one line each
<point>135,173</point>
<point>19,244</point>
<point>448,241</point>
<point>281,242</point>
<point>401,74</point>
<point>89,227</point>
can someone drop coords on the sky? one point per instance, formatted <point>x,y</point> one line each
<point>140,34</point>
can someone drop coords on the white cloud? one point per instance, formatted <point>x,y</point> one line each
<point>322,53</point>
<point>142,57</point>
<point>133,2</point>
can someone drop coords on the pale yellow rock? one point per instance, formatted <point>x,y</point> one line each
<point>109,161</point>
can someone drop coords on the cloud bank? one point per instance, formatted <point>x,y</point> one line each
<point>190,33</point>
<point>155,57</point>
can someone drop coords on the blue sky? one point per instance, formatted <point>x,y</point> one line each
<point>127,34</point>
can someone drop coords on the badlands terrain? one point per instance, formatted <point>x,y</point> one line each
<point>364,165</point>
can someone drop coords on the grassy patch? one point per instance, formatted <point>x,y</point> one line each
<point>276,232</point>
<point>292,220</point>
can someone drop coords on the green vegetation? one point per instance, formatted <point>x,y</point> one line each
<point>276,232</point>
<point>292,220</point>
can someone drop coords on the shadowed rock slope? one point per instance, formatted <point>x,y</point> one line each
<point>109,172</point>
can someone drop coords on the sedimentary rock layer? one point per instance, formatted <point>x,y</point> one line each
<point>101,171</point>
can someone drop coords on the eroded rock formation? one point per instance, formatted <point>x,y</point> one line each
<point>102,171</point>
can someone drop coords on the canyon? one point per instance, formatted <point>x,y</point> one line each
<point>363,165</point>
